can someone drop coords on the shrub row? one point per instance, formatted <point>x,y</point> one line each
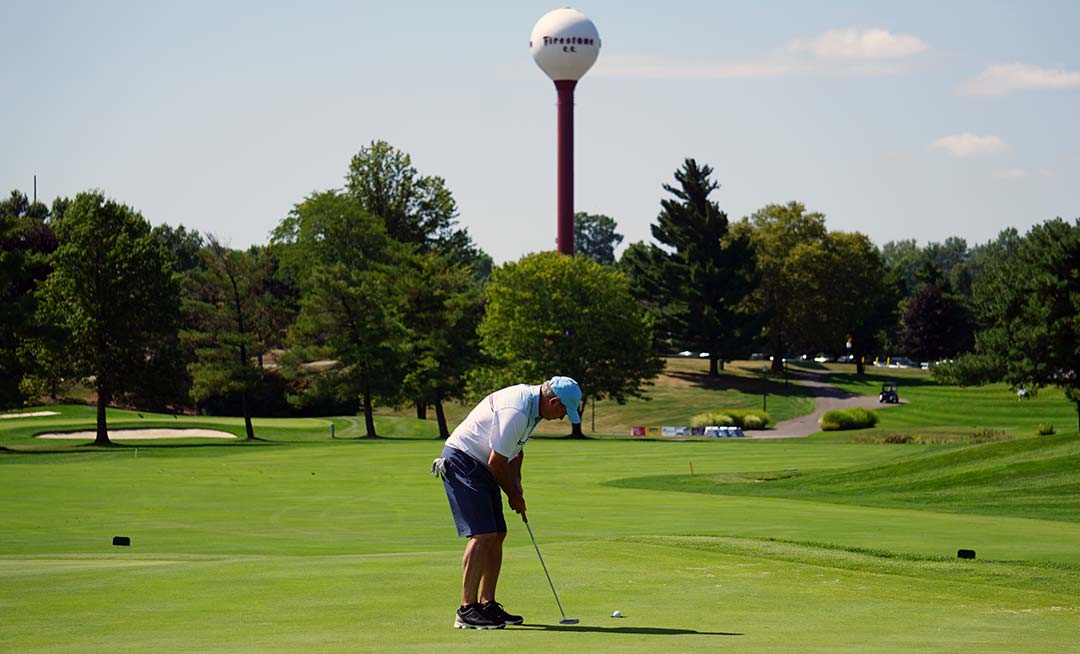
<point>935,437</point>
<point>839,419</point>
<point>743,418</point>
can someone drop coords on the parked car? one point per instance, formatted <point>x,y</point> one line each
<point>902,362</point>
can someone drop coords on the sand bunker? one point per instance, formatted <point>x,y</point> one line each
<point>140,434</point>
<point>28,415</point>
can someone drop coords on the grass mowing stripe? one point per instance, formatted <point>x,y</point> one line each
<point>1036,477</point>
<point>1050,577</point>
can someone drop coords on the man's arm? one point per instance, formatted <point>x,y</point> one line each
<point>508,474</point>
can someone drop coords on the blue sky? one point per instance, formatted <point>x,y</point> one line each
<point>898,119</point>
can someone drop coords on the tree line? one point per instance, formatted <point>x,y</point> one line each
<point>373,294</point>
<point>364,295</point>
<point>779,280</point>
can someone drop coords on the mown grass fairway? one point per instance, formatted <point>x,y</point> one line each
<point>297,543</point>
<point>347,547</point>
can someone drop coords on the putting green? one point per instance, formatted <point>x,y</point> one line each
<point>348,547</point>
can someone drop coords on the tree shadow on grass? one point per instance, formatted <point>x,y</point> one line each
<point>876,377</point>
<point>641,631</point>
<point>749,385</point>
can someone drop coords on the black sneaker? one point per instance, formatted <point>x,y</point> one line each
<point>494,611</point>
<point>473,617</point>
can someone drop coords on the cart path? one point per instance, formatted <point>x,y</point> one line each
<point>827,397</point>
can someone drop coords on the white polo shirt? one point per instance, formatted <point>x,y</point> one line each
<point>502,421</point>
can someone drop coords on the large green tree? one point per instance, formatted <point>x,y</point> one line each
<point>947,255</point>
<point>184,244</point>
<point>819,290</point>
<point>935,325</point>
<point>25,241</point>
<point>790,294</point>
<point>1029,304</point>
<point>965,274</point>
<point>858,301</point>
<point>549,314</point>
<point>901,260</point>
<point>278,303</point>
<point>595,237</point>
<point>114,291</point>
<point>444,304</point>
<point>417,209</point>
<point>352,301</point>
<point>224,299</point>
<point>699,280</point>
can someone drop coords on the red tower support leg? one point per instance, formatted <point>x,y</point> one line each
<point>565,204</point>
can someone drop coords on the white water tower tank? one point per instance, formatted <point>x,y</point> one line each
<point>564,44</point>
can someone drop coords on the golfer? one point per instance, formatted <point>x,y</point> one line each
<point>482,456</point>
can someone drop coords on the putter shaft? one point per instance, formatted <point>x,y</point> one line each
<point>565,620</point>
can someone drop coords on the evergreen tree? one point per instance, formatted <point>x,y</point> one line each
<point>698,285</point>
<point>1029,304</point>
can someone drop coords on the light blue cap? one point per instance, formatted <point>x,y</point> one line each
<point>569,393</point>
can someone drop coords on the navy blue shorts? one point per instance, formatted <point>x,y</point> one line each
<point>474,495</point>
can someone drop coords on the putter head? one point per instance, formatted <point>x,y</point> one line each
<point>569,621</point>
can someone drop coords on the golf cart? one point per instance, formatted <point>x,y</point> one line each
<point>888,394</point>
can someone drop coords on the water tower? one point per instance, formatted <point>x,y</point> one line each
<point>565,44</point>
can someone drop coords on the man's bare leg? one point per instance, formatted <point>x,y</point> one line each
<point>480,563</point>
<point>490,579</point>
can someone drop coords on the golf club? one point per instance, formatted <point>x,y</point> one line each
<point>565,620</point>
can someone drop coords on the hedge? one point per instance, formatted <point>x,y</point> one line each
<point>840,419</point>
<point>743,418</point>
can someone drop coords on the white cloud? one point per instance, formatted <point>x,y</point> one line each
<point>1014,173</point>
<point>859,44</point>
<point>862,53</point>
<point>1004,78</point>
<point>969,145</point>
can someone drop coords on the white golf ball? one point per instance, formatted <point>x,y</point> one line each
<point>616,614</point>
